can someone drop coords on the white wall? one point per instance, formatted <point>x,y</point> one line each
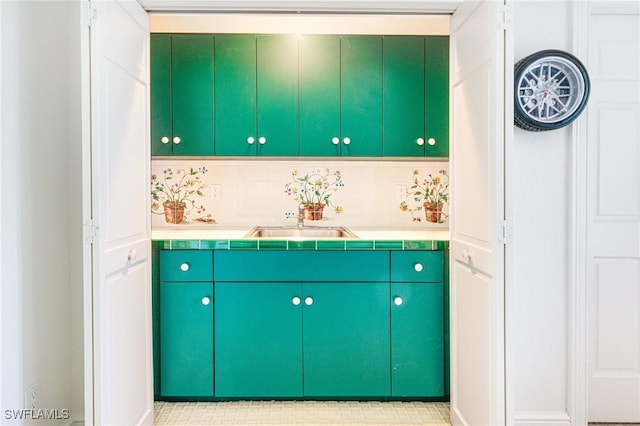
<point>40,263</point>
<point>541,249</point>
<point>40,219</point>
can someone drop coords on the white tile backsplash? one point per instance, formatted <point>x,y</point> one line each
<point>252,191</point>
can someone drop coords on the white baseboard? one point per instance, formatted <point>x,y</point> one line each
<point>537,418</point>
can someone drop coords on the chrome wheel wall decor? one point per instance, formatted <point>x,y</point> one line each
<point>551,90</point>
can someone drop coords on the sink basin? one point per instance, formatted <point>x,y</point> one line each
<point>313,232</point>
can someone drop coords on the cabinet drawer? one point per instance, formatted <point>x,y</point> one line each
<point>186,265</point>
<point>417,266</point>
<point>307,266</point>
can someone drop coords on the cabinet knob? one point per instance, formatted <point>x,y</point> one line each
<point>251,140</point>
<point>131,255</point>
<point>418,267</point>
<point>397,301</point>
<point>206,301</point>
<point>164,139</point>
<point>308,301</point>
<point>431,141</point>
<point>176,140</point>
<point>346,141</point>
<point>420,141</point>
<point>262,140</point>
<point>335,141</point>
<point>296,300</point>
<point>184,267</point>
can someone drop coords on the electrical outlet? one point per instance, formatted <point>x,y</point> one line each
<point>32,397</point>
<point>401,192</point>
<point>216,191</point>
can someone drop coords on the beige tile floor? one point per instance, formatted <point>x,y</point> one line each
<point>267,413</point>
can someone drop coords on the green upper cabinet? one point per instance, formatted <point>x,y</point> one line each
<point>340,95</point>
<point>361,96</point>
<point>182,94</point>
<point>416,96</point>
<point>320,95</point>
<point>437,96</point>
<point>309,95</point>
<point>235,101</point>
<point>256,95</point>
<point>277,77</point>
<point>404,96</point>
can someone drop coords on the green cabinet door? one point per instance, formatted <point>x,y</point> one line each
<point>182,94</point>
<point>417,346</point>
<point>186,339</point>
<point>346,339</point>
<point>258,340</point>
<point>256,95</point>
<point>404,82</point>
<point>437,96</point>
<point>192,93</point>
<point>235,97</point>
<point>361,95</point>
<point>161,111</point>
<point>319,95</point>
<point>277,95</point>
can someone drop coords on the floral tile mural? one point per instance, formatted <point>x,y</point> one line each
<point>428,193</point>
<point>247,193</point>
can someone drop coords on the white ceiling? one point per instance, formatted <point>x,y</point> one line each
<point>302,6</point>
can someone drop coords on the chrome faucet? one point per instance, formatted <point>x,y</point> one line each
<point>301,216</point>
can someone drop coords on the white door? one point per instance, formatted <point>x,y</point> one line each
<point>477,252</point>
<point>121,391</point>
<point>613,213</point>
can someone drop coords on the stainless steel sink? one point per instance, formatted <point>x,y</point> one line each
<point>312,232</point>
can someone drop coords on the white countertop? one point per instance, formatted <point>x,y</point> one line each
<point>214,232</point>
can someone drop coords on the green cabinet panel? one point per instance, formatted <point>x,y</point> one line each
<point>319,95</point>
<point>258,340</point>
<point>277,85</point>
<point>235,100</point>
<point>182,94</point>
<point>161,109</point>
<point>256,95</point>
<point>186,339</point>
<point>340,95</point>
<point>346,340</point>
<point>186,265</point>
<point>417,343</point>
<point>417,266</point>
<point>361,95</point>
<point>282,265</point>
<point>416,96</point>
<point>437,96</point>
<point>404,82</point>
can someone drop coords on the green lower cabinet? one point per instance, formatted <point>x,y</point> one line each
<point>258,340</point>
<point>346,340</point>
<point>417,346</point>
<point>186,339</point>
